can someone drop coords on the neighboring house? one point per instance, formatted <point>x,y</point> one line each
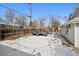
<point>59,29</point>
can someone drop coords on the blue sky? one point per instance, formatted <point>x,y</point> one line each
<point>42,9</point>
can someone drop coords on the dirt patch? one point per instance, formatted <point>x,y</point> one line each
<point>13,37</point>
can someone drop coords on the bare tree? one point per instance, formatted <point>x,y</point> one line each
<point>54,23</point>
<point>74,14</point>
<point>35,23</point>
<point>9,15</point>
<point>18,20</point>
<point>42,22</point>
<point>39,23</point>
<point>23,21</point>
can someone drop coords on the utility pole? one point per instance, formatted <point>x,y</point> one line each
<point>30,9</point>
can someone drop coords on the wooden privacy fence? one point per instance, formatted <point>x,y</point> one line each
<point>10,32</point>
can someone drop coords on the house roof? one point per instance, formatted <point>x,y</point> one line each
<point>74,20</point>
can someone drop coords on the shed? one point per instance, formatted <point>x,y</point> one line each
<point>73,31</point>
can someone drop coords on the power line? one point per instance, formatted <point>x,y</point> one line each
<point>13,10</point>
<point>3,20</point>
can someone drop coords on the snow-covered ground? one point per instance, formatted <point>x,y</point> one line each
<point>41,46</point>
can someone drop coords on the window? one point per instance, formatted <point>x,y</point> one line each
<point>77,24</point>
<point>69,26</point>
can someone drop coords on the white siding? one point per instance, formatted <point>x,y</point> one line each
<point>77,36</point>
<point>71,33</point>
